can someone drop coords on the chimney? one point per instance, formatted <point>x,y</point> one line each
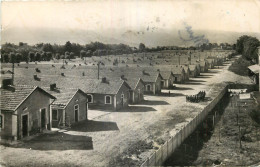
<point>12,75</point>
<point>123,77</point>
<point>104,80</point>
<point>6,82</point>
<point>35,77</point>
<point>52,87</point>
<point>98,69</point>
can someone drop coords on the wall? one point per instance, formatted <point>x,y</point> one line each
<point>158,86</point>
<point>125,91</point>
<point>152,88</point>
<point>160,155</point>
<point>32,105</point>
<point>55,123</point>
<point>81,100</point>
<point>7,130</point>
<point>140,86</point>
<point>99,102</point>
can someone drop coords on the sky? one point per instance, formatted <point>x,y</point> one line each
<point>135,15</point>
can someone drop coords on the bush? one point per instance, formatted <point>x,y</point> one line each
<point>255,115</point>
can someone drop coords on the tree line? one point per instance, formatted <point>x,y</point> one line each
<point>12,53</point>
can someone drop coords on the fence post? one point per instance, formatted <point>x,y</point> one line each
<point>168,148</point>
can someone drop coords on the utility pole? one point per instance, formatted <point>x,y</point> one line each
<point>13,74</point>
<point>190,58</point>
<point>179,59</point>
<point>98,69</point>
<point>197,138</point>
<point>240,144</point>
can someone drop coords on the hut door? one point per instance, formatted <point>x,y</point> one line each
<point>122,100</point>
<point>25,125</point>
<point>76,113</point>
<point>76,116</point>
<point>162,84</point>
<point>87,110</point>
<point>43,116</point>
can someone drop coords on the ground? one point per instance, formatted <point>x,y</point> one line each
<point>126,137</point>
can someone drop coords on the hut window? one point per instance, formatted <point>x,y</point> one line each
<point>107,99</point>
<point>55,115</point>
<point>90,98</point>
<point>1,121</point>
<point>148,87</point>
<point>122,95</point>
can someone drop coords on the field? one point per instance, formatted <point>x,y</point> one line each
<point>120,138</point>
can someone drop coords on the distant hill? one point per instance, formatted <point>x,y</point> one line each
<point>150,37</point>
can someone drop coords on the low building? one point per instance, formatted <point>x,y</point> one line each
<point>137,89</point>
<point>105,93</point>
<point>203,66</point>
<point>152,81</point>
<point>179,74</point>
<point>187,72</point>
<point>194,72</point>
<point>70,106</point>
<point>25,110</point>
<point>167,79</point>
<point>211,63</point>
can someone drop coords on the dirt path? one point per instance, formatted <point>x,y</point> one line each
<point>121,138</point>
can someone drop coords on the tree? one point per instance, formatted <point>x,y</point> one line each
<point>72,55</point>
<point>240,44</point>
<point>250,48</point>
<point>68,47</point>
<point>12,57</point>
<point>6,58</point>
<point>43,56</point>
<point>57,56</point>
<point>83,54</point>
<point>18,57</point>
<point>48,56</point>
<point>141,47</point>
<point>89,53</point>
<point>47,48</point>
<point>31,56</point>
<point>67,55</point>
<point>37,56</point>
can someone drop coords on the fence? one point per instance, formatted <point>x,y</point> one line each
<point>160,155</point>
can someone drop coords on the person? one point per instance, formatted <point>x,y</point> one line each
<point>169,93</point>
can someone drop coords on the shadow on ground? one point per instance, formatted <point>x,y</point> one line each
<point>138,109</point>
<point>215,71</point>
<point>167,94</point>
<point>94,126</point>
<point>57,141</point>
<point>193,83</point>
<point>153,102</point>
<point>182,88</point>
<point>195,80</point>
